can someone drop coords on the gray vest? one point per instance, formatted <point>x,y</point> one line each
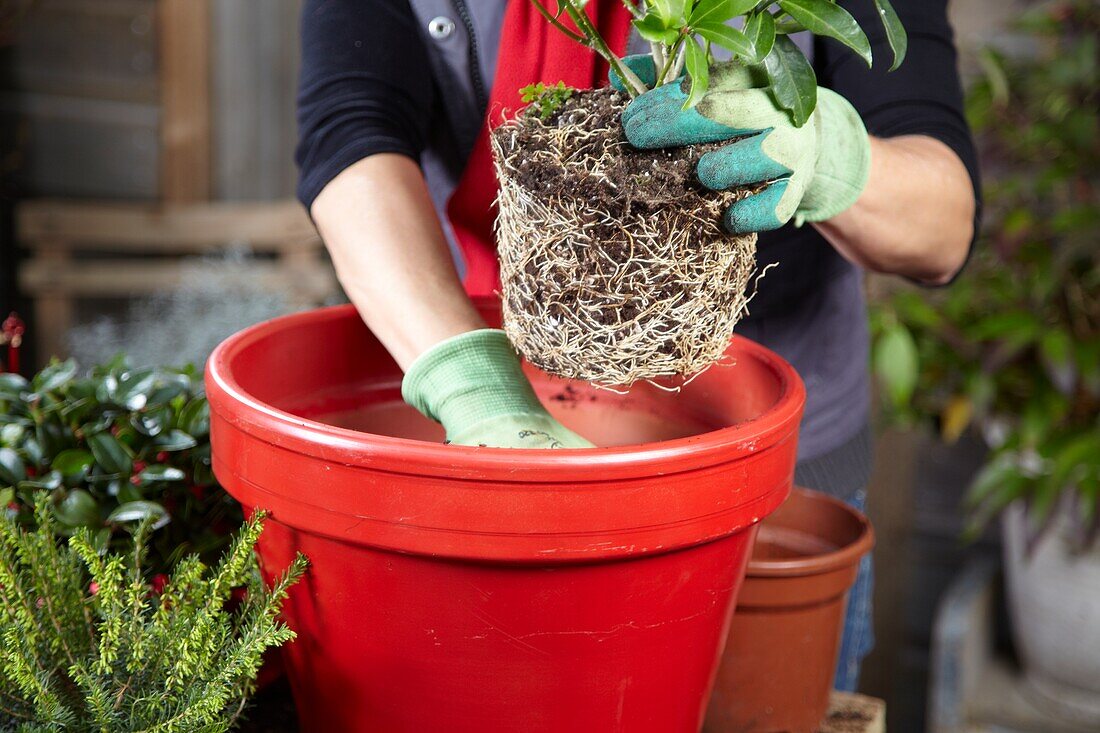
<point>818,321</point>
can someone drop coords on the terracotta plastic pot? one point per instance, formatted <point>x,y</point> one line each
<point>473,589</point>
<point>777,669</point>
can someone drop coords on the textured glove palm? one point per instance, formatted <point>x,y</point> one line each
<point>474,386</point>
<point>809,173</point>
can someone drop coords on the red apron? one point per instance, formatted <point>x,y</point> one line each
<point>531,50</point>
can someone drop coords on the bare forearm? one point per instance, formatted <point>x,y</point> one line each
<point>390,255</point>
<point>915,217</point>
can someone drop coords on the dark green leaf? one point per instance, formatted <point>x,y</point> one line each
<point>726,37</point>
<point>1056,351</point>
<point>106,389</point>
<point>826,19</point>
<point>11,434</point>
<point>128,492</point>
<point>719,11</point>
<point>78,508</point>
<point>54,376</point>
<point>175,440</point>
<point>786,26</point>
<point>152,422</point>
<point>48,481</point>
<point>73,462</point>
<point>109,453</point>
<point>695,61</point>
<point>12,470</point>
<point>793,83</point>
<point>760,30</point>
<point>134,388</point>
<point>172,385</point>
<point>161,472</point>
<point>195,417</point>
<point>12,385</point>
<point>895,31</point>
<point>138,511</point>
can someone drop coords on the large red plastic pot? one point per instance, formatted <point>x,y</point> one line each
<point>473,589</point>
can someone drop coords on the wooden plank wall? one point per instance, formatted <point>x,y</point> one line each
<point>255,55</point>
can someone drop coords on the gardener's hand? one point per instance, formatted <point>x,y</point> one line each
<point>472,384</point>
<point>809,173</point>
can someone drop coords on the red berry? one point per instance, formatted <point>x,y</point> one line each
<point>93,587</point>
<point>139,466</point>
<point>159,581</point>
<point>162,456</point>
<point>32,471</point>
<point>135,480</point>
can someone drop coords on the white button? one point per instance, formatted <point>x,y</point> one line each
<point>441,27</point>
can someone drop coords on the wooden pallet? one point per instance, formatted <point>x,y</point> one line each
<point>852,713</point>
<point>81,250</point>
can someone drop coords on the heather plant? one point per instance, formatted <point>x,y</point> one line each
<point>88,643</point>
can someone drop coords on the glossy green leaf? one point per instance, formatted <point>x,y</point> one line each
<point>12,469</point>
<point>134,388</point>
<point>895,31</point>
<point>719,11</point>
<point>54,376</point>
<point>786,26</point>
<point>48,481</point>
<point>73,462</point>
<point>78,508</point>
<point>152,422</point>
<point>727,37</point>
<point>793,83</point>
<point>161,472</point>
<point>12,385</point>
<point>654,29</point>
<point>695,61</point>
<point>12,434</point>
<point>896,364</point>
<point>175,440</point>
<point>109,453</point>
<point>670,11</point>
<point>139,511</point>
<point>195,417</point>
<point>827,19</point>
<point>760,30</point>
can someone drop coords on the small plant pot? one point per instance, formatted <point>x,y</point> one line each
<point>778,665</point>
<point>466,589</point>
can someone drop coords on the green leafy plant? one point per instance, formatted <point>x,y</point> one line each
<point>88,644</point>
<point>112,448</point>
<point>543,100</point>
<point>682,33</point>
<point>1013,347</point>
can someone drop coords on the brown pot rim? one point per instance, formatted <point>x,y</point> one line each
<point>846,556</point>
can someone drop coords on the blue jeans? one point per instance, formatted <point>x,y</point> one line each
<point>844,473</point>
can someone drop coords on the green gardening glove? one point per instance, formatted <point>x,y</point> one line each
<point>473,385</point>
<point>812,173</point>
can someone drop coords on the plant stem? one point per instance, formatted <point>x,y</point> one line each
<point>558,24</point>
<point>671,61</point>
<point>633,84</point>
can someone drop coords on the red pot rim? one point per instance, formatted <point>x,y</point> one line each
<point>413,457</point>
<point>845,556</point>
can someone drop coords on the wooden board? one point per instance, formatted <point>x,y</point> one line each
<point>151,229</point>
<point>254,88</point>
<point>185,100</point>
<point>852,713</point>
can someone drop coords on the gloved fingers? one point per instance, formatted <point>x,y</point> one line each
<point>765,210</point>
<point>743,108</point>
<point>525,430</point>
<point>740,163</point>
<point>642,65</point>
<point>657,119</point>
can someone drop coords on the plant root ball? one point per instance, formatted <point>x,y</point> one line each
<point>614,263</point>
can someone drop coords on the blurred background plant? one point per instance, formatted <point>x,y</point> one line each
<point>112,448</point>
<point>1012,348</point>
